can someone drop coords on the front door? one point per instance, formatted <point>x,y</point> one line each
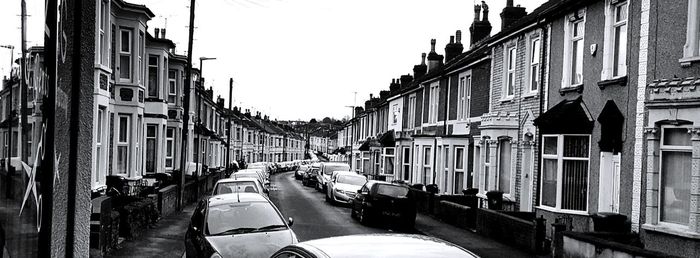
<point>609,183</point>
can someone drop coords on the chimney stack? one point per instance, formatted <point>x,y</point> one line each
<point>480,29</point>
<point>157,31</point>
<point>511,14</point>
<point>421,69</point>
<point>434,60</point>
<point>394,86</point>
<point>453,49</point>
<point>406,80</point>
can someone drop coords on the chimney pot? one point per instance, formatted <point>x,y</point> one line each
<point>157,31</point>
<point>432,45</point>
<point>452,39</point>
<point>459,36</point>
<point>162,32</point>
<point>422,62</point>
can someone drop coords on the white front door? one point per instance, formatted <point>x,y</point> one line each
<point>609,183</point>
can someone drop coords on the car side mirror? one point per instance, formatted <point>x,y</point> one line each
<point>359,191</point>
<point>290,221</point>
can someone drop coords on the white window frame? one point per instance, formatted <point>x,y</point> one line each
<point>411,111</point>
<point>155,66</point>
<point>560,164</point>
<point>457,169</point>
<point>406,163</point>
<point>123,144</point>
<point>427,165</point>
<point>103,24</point>
<point>464,96</point>
<point>572,19</point>
<point>509,66</point>
<point>127,53</point>
<point>511,173</point>
<point>446,168</point>
<point>534,54</point>
<point>172,86</point>
<point>154,137</point>
<point>433,102</point>
<point>141,71</point>
<point>99,149</point>
<point>610,42</point>
<point>670,148</point>
<point>691,49</point>
<point>170,151</point>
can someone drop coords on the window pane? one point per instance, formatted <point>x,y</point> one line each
<point>123,128</point>
<point>151,131</point>
<point>459,182</point>
<point>446,158</point>
<point>534,77</point>
<point>676,136</point>
<point>99,124</point>
<point>620,54</point>
<point>459,158</point>
<point>550,145</point>
<point>535,53</point>
<point>621,13</point>
<point>574,185</point>
<point>549,182</point>
<point>426,156</point>
<point>125,66</point>
<point>675,187</point>
<point>574,62</point>
<point>125,44</point>
<point>389,165</point>
<point>487,153</point>
<point>121,159</point>
<point>576,146</point>
<point>504,166</point>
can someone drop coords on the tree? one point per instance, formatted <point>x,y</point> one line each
<point>327,120</point>
<point>313,121</point>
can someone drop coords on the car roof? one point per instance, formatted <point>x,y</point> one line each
<point>235,198</point>
<point>393,245</point>
<point>347,173</point>
<point>242,179</point>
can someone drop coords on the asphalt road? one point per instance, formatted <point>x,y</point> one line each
<point>313,217</point>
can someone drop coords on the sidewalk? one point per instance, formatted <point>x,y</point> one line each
<point>167,239</point>
<point>471,241</point>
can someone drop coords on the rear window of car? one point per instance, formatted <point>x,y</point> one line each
<point>230,216</point>
<point>328,169</point>
<point>236,187</point>
<point>352,180</point>
<point>392,191</point>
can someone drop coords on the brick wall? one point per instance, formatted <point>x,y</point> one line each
<point>507,229</point>
<point>167,200</point>
<point>480,89</point>
<point>419,108</point>
<point>453,91</point>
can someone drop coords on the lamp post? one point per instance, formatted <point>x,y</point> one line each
<point>199,112</point>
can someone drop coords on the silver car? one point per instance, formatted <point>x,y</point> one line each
<point>239,185</point>
<point>237,225</point>
<point>343,186</point>
<point>325,172</point>
<point>375,245</point>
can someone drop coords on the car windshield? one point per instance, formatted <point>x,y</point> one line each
<point>335,167</point>
<point>392,190</point>
<point>232,218</point>
<point>236,187</point>
<point>246,175</point>
<point>352,180</point>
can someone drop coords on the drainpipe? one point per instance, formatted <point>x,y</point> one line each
<point>542,96</point>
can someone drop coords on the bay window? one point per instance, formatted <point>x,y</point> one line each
<point>565,168</point>
<point>674,189</point>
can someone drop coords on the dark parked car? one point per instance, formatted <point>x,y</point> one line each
<point>378,200</point>
<point>310,177</point>
<point>237,225</point>
<point>375,245</point>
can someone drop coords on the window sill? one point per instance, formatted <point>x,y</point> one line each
<point>530,95</point>
<point>671,230</point>
<point>687,61</point>
<point>155,100</point>
<point>574,88</point>
<point>622,81</point>
<point>508,99</point>
<point>550,209</point>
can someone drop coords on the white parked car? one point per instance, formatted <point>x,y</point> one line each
<point>239,185</point>
<point>343,186</point>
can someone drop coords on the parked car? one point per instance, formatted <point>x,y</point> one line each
<point>237,225</point>
<point>343,186</point>
<point>378,200</point>
<point>299,174</point>
<point>261,166</point>
<point>253,173</point>
<point>326,170</point>
<point>310,177</point>
<point>375,245</point>
<point>239,185</point>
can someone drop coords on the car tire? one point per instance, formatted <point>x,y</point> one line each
<point>328,199</point>
<point>353,214</point>
<point>362,216</point>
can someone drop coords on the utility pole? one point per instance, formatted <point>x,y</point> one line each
<point>230,133</point>
<point>24,127</point>
<point>199,112</point>
<point>186,116</point>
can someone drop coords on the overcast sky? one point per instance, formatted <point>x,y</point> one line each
<point>295,59</point>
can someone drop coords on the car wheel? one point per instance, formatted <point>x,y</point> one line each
<point>362,216</point>
<point>328,198</point>
<point>353,215</point>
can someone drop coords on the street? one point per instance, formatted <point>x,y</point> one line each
<point>313,217</point>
